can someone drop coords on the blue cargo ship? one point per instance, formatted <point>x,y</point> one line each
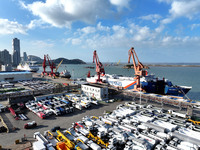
<point>149,84</point>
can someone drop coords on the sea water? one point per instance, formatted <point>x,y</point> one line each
<point>185,76</point>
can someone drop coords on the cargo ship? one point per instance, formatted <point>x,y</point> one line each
<point>140,82</point>
<point>149,84</point>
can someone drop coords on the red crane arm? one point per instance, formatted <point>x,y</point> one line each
<point>99,66</point>
<point>137,67</point>
<point>49,60</point>
<point>95,59</point>
<point>44,62</point>
<point>132,55</point>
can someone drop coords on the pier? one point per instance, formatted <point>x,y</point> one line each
<point>179,103</point>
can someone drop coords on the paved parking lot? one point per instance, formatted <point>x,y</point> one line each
<point>46,124</point>
<point>63,121</point>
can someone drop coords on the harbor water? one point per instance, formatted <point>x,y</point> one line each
<point>185,76</point>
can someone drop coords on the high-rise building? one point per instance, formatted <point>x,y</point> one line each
<point>5,57</point>
<point>25,57</point>
<point>16,52</point>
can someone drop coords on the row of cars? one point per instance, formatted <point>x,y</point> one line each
<point>132,126</point>
<point>59,105</point>
<point>81,101</point>
<point>37,84</point>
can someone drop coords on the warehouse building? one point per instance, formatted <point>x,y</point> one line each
<point>94,90</point>
<point>14,76</point>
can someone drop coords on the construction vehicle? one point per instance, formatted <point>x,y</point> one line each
<point>62,138</point>
<point>93,135</point>
<point>62,146</point>
<point>80,145</point>
<point>42,142</point>
<point>50,137</point>
<point>99,66</point>
<point>194,120</point>
<point>78,127</point>
<point>138,68</point>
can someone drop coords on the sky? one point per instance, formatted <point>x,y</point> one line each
<point>159,30</point>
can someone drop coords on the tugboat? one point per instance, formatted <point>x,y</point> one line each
<point>65,74</point>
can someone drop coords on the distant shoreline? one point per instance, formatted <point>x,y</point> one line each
<point>156,65</point>
<point>163,65</point>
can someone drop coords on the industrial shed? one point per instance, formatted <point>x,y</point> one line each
<point>14,76</point>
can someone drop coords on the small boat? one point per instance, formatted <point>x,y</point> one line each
<point>65,74</point>
<point>90,67</point>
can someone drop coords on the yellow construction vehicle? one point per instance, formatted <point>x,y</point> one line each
<point>98,140</point>
<point>62,146</point>
<point>62,138</point>
<point>95,118</point>
<point>194,120</point>
<point>80,145</point>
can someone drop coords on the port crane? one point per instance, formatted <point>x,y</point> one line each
<point>99,66</point>
<point>138,68</point>
<point>58,65</point>
<point>44,66</point>
<point>52,66</point>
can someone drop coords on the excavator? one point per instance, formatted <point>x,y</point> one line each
<point>138,68</point>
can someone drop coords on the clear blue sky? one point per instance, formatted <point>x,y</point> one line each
<point>160,30</point>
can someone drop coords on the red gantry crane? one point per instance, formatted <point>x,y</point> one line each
<point>44,66</point>
<point>138,68</point>
<point>52,66</point>
<point>99,66</point>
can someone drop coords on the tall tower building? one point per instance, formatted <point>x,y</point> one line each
<point>5,57</point>
<point>25,57</point>
<point>16,52</point>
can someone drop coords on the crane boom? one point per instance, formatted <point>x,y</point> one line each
<point>52,66</point>
<point>99,66</point>
<point>44,65</point>
<point>58,65</point>
<point>138,68</point>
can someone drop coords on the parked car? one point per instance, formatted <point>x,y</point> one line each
<point>30,125</point>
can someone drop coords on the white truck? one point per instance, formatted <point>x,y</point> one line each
<point>42,143</point>
<point>177,114</point>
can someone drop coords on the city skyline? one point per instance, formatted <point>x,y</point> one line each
<point>159,30</point>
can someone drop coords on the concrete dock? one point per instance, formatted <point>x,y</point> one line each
<point>17,131</point>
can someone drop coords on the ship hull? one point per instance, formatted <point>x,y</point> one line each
<point>149,86</point>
